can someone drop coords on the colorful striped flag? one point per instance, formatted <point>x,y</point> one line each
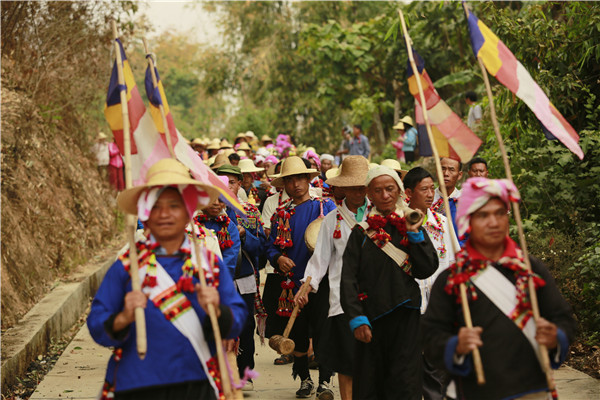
<point>501,63</point>
<point>452,137</point>
<point>112,109</point>
<point>147,145</point>
<point>158,149</point>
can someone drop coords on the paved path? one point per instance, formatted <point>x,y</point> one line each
<point>79,373</point>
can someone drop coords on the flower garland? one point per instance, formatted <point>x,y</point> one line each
<point>147,258</point>
<point>377,222</point>
<point>223,235</point>
<point>337,233</point>
<point>437,231</point>
<point>465,268</point>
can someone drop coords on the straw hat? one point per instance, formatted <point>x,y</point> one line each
<point>210,161</point>
<point>332,172</point>
<point>215,144</point>
<point>241,153</point>
<point>250,134</point>
<point>244,146</point>
<point>265,138</point>
<point>293,166</point>
<point>198,141</point>
<point>220,160</point>
<point>373,165</point>
<point>225,144</point>
<point>165,172</point>
<point>228,152</point>
<point>395,165</point>
<point>399,126</point>
<point>247,165</point>
<point>408,120</point>
<point>101,135</point>
<point>241,135</point>
<point>353,172</point>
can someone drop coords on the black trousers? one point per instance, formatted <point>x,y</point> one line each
<point>389,367</point>
<point>247,347</point>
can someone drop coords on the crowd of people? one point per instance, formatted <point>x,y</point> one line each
<point>383,306</point>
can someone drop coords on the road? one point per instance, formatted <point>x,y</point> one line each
<point>79,373</point>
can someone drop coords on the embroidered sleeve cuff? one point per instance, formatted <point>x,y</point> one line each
<point>415,237</point>
<point>358,321</point>
<point>456,365</point>
<point>558,355</point>
<point>108,327</point>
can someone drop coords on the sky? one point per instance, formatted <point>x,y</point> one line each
<point>183,17</point>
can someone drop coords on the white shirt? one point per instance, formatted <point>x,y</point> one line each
<point>442,239</point>
<point>272,202</point>
<point>328,255</point>
<point>100,150</point>
<point>474,116</point>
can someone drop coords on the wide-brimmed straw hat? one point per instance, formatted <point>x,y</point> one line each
<point>225,144</point>
<point>353,172</point>
<point>408,120</point>
<point>332,172</point>
<point>244,146</point>
<point>395,165</point>
<point>101,135</point>
<point>215,144</point>
<point>165,172</point>
<point>293,166</point>
<point>247,166</point>
<point>198,141</point>
<point>220,160</point>
<point>250,134</point>
<point>240,135</point>
<point>266,138</point>
<point>399,126</point>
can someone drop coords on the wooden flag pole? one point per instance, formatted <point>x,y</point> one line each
<point>130,225</point>
<point>228,390</point>
<point>442,186</point>
<point>545,359</point>
<point>160,106</point>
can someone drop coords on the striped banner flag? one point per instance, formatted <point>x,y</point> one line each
<point>452,137</point>
<point>501,63</point>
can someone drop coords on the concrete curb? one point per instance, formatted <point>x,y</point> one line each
<point>54,315</point>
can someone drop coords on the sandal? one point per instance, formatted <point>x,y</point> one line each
<point>284,359</point>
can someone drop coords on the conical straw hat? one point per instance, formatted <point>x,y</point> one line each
<point>293,166</point>
<point>165,172</point>
<point>353,172</point>
<point>220,160</point>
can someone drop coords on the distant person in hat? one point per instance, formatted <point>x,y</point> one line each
<point>115,167</point>
<point>288,253</point>
<point>336,346</point>
<point>266,141</point>
<point>420,189</point>
<point>380,296</point>
<point>250,185</point>
<point>177,364</point>
<point>399,143</point>
<point>475,113</point>
<point>492,266</point>
<point>247,279</point>
<point>199,147</point>
<point>100,150</point>
<point>344,148</point>
<point>213,147</point>
<point>239,138</point>
<point>359,144</point>
<point>406,129</point>
<point>234,158</point>
<point>477,167</point>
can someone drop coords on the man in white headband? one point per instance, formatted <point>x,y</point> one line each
<point>380,295</point>
<point>492,267</point>
<point>178,363</point>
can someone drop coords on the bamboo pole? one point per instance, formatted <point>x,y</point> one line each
<point>130,225</point>
<point>160,106</point>
<point>442,186</point>
<point>545,361</point>
<point>228,390</point>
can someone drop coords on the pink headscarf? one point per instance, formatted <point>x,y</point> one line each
<point>308,154</point>
<point>271,159</point>
<point>476,192</point>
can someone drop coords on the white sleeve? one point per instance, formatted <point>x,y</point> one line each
<point>319,262</point>
<point>268,210</point>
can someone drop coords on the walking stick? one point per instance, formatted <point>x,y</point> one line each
<point>130,225</point>
<point>545,361</point>
<point>228,390</point>
<point>442,185</point>
<point>161,105</point>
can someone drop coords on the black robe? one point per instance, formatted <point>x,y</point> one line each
<point>510,365</point>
